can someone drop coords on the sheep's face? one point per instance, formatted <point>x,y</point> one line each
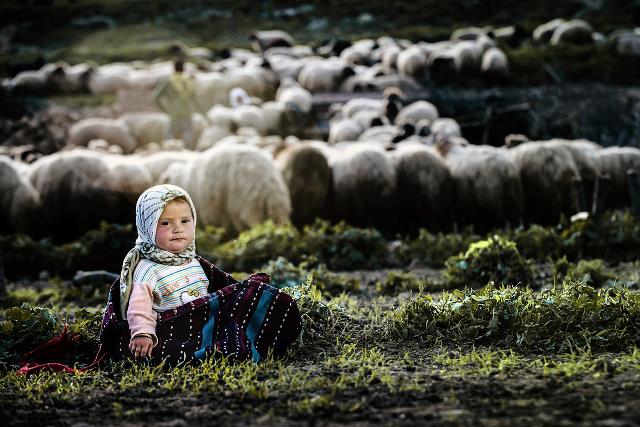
<point>175,230</point>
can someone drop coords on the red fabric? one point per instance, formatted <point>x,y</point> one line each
<point>56,348</point>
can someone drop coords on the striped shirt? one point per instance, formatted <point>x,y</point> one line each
<point>171,285</point>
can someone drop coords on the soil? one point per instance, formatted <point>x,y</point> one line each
<point>498,399</point>
<point>457,401</point>
<point>441,396</point>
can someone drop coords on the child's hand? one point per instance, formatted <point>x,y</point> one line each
<point>141,346</point>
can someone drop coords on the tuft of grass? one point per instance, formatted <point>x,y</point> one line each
<point>59,293</point>
<point>434,249</point>
<point>495,259</point>
<point>397,281</point>
<point>591,272</point>
<point>322,321</point>
<point>556,320</point>
<point>537,242</point>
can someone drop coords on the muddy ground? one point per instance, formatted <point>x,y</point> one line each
<point>407,383</point>
<point>517,398</point>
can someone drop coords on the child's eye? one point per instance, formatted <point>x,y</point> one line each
<point>184,221</point>
<point>165,223</point>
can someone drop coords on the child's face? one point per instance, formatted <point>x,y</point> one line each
<point>175,229</point>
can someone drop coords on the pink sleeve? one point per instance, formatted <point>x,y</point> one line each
<point>140,314</point>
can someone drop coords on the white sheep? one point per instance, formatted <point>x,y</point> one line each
<point>210,136</point>
<point>237,187</point>
<point>157,163</point>
<point>264,40</point>
<point>615,162</point>
<point>548,174</point>
<point>324,75</point>
<point>494,63</point>
<point>294,96</point>
<point>467,56</point>
<point>363,186</point>
<point>128,176</point>
<point>585,156</point>
<point>488,191</point>
<point>76,193</point>
<point>147,127</point>
<point>343,129</point>
<point>418,110</point>
<point>113,131</point>
<point>445,127</point>
<point>250,116</point>
<point>108,78</point>
<point>543,33</point>
<point>575,31</point>
<point>412,62</point>
<point>626,43</point>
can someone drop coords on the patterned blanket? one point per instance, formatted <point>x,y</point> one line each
<point>245,320</point>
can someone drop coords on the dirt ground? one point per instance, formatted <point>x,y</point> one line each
<point>439,385</point>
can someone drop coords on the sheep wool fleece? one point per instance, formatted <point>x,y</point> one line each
<point>149,207</point>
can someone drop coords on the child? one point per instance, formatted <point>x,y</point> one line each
<point>169,297</point>
<point>166,274</point>
<point>169,300</point>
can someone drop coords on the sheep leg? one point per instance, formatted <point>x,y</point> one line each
<point>600,195</point>
<point>3,283</point>
<point>634,191</point>
<point>582,204</point>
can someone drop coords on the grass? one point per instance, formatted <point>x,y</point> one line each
<point>339,247</point>
<point>570,316</point>
<point>492,260</point>
<point>357,355</point>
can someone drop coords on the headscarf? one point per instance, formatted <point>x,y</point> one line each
<point>149,207</point>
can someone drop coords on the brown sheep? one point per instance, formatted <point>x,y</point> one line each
<point>306,172</point>
<point>425,188</point>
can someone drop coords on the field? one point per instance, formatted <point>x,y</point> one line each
<point>528,325</point>
<point>389,335</point>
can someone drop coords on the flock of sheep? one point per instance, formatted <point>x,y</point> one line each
<point>387,163</point>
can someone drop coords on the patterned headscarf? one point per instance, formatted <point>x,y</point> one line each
<point>149,207</point>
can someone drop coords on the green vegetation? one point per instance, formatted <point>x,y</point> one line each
<point>24,328</point>
<point>554,64</point>
<point>340,247</point>
<point>398,281</point>
<point>567,317</point>
<point>591,272</point>
<point>284,274</point>
<point>492,260</point>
